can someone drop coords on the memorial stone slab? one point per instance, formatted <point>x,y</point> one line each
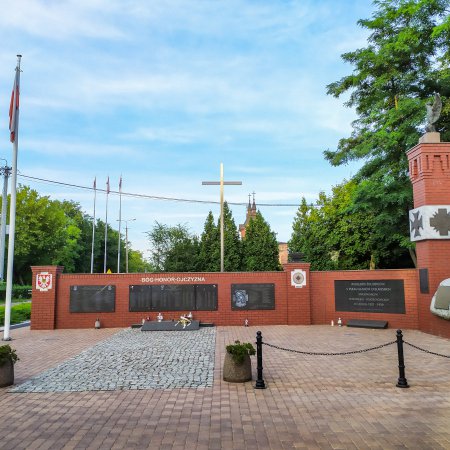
<point>169,325</point>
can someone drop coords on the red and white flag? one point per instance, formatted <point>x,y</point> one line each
<point>107,186</point>
<point>14,106</point>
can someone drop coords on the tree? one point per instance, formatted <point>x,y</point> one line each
<point>232,260</point>
<point>53,232</point>
<point>260,246</point>
<point>332,235</point>
<point>75,255</point>
<point>174,248</point>
<point>209,253</point>
<point>405,62</point>
<point>40,232</point>
<point>137,262</point>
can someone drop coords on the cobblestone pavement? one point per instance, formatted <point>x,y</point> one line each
<point>311,402</point>
<point>132,359</point>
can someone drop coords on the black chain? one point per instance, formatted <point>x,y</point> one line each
<point>426,351</point>
<point>330,354</point>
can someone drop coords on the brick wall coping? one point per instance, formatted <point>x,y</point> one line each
<point>411,269</point>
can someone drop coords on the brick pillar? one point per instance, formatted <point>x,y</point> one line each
<point>298,290</point>
<point>44,286</point>
<point>429,171</point>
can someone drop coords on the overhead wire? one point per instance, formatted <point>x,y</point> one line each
<point>153,197</point>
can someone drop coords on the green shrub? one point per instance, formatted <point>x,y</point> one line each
<point>18,292</point>
<point>19,313</point>
<point>238,351</point>
<point>7,354</point>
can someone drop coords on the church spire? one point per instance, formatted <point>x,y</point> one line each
<point>254,203</point>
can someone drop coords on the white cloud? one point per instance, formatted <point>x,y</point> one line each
<point>60,19</point>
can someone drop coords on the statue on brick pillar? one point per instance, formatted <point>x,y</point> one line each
<point>433,113</point>
<point>434,109</point>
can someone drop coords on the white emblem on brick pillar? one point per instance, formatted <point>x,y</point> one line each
<point>44,281</point>
<point>298,278</point>
<point>429,222</point>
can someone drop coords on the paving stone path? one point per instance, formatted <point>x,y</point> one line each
<point>132,359</point>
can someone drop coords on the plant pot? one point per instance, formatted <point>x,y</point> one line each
<point>237,373</point>
<point>6,374</point>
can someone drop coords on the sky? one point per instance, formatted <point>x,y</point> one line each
<point>162,92</point>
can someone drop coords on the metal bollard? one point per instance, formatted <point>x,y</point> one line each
<point>259,368</point>
<point>402,382</point>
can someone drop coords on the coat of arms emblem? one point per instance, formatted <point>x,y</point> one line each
<point>44,281</point>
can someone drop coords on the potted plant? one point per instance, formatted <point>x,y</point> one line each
<point>8,358</point>
<point>237,366</point>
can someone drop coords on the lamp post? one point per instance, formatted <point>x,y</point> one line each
<point>126,242</point>
<point>5,171</point>
<point>221,183</point>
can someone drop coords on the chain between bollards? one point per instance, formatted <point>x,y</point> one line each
<point>259,368</point>
<point>402,382</point>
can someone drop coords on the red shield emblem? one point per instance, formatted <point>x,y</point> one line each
<point>44,281</point>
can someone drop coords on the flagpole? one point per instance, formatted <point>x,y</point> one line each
<point>106,226</point>
<point>93,226</point>
<point>12,207</point>
<point>120,222</point>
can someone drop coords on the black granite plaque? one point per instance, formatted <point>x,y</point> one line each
<point>173,297</point>
<point>371,296</point>
<point>140,298</point>
<point>206,297</point>
<point>252,296</point>
<point>92,299</point>
<point>423,281</point>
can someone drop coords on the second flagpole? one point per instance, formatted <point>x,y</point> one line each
<point>93,227</point>
<point>120,223</point>
<point>106,227</point>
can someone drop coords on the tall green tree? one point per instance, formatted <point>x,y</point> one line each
<point>209,254</point>
<point>232,261</point>
<point>75,255</point>
<point>174,248</point>
<point>405,61</point>
<point>260,246</point>
<point>60,233</point>
<point>40,232</point>
<point>332,235</point>
<point>137,262</point>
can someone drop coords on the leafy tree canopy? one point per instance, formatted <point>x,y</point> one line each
<point>260,244</point>
<point>174,248</point>
<point>405,62</point>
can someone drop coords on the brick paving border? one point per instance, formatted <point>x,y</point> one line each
<point>311,402</point>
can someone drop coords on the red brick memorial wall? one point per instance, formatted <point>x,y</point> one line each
<point>291,297</point>
<point>291,305</point>
<point>299,297</point>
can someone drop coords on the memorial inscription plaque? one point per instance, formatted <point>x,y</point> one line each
<point>140,298</point>
<point>371,296</point>
<point>253,296</point>
<point>173,297</point>
<point>92,299</point>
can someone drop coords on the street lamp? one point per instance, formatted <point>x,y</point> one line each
<point>126,241</point>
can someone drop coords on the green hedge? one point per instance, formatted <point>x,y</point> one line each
<point>19,313</point>
<point>18,292</point>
